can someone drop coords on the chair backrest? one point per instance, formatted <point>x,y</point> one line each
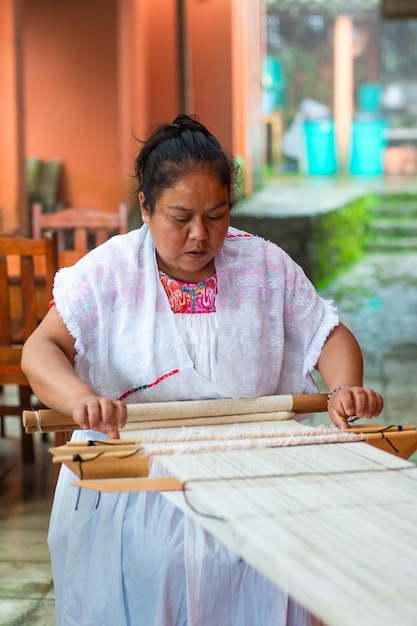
<point>27,270</point>
<point>85,224</point>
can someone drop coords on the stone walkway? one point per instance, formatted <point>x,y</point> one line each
<point>295,196</point>
<point>377,300</point>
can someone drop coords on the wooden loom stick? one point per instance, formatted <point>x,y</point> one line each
<point>98,459</point>
<point>167,412</point>
<point>122,465</point>
<point>180,435</point>
<point>101,480</point>
<point>208,420</point>
<point>103,461</point>
<point>402,443</point>
<point>374,427</point>
<point>117,485</point>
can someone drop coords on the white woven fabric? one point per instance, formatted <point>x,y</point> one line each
<point>271,324</point>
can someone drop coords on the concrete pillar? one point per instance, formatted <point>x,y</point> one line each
<point>246,119</point>
<point>13,206</point>
<point>132,72</point>
<point>343,87</point>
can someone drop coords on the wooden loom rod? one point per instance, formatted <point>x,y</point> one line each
<point>110,446</point>
<point>117,485</point>
<point>85,452</point>
<point>123,461</point>
<point>101,480</point>
<point>48,419</point>
<point>169,422</point>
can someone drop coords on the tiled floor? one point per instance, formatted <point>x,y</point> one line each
<point>26,593</point>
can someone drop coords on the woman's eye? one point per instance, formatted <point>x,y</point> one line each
<point>214,217</point>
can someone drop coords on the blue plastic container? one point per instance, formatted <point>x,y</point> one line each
<point>368,145</point>
<point>369,96</point>
<point>320,147</point>
<point>273,84</point>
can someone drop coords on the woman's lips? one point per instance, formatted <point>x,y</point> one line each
<point>196,253</point>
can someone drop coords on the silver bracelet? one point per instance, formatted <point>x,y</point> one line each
<point>329,395</point>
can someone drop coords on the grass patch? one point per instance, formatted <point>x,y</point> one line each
<point>339,238</point>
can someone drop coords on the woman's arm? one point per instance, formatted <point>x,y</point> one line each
<point>341,368</point>
<point>47,361</point>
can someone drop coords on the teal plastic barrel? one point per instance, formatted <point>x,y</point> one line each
<point>320,147</point>
<point>273,84</point>
<point>368,145</point>
<point>369,96</point>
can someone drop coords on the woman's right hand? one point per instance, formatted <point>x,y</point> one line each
<point>101,414</point>
<point>48,362</point>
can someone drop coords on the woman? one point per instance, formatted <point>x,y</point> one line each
<point>183,308</point>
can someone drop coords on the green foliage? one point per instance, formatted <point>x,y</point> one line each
<point>42,180</point>
<point>339,238</point>
<point>240,179</point>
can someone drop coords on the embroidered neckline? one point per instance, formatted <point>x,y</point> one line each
<point>190,297</point>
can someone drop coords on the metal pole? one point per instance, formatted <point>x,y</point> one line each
<point>184,80</point>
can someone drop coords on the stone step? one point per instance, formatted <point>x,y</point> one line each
<point>392,244</point>
<point>392,208</point>
<point>394,227</point>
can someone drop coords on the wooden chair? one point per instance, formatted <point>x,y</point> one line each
<point>89,228</point>
<point>27,270</point>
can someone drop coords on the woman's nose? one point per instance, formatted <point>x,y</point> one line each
<point>198,230</point>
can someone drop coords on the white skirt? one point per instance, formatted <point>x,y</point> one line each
<point>136,560</point>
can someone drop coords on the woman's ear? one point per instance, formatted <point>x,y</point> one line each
<point>144,213</point>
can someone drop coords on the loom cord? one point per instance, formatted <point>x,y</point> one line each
<point>260,436</point>
<point>39,430</point>
<point>79,497</point>
<point>77,458</point>
<point>186,485</point>
<point>93,443</point>
<point>383,435</point>
<point>247,435</point>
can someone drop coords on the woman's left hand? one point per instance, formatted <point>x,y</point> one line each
<point>354,402</point>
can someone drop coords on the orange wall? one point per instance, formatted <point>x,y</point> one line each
<point>132,103</point>
<point>246,119</point>
<point>210,27</point>
<point>97,74</point>
<point>71,95</point>
<point>12,193</point>
<point>225,44</point>
<point>161,53</point>
<point>147,77</point>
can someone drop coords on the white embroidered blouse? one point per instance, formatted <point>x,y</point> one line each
<point>264,337</point>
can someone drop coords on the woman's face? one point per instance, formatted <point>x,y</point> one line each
<point>188,226</point>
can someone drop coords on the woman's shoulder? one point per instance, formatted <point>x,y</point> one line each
<point>258,260</point>
<point>240,241</point>
<point>113,267</point>
<point>112,254</point>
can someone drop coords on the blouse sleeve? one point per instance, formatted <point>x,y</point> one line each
<point>308,318</point>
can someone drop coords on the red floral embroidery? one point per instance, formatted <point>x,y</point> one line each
<point>190,297</point>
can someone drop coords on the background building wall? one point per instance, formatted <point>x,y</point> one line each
<point>71,96</point>
<point>12,188</point>
<point>98,75</point>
